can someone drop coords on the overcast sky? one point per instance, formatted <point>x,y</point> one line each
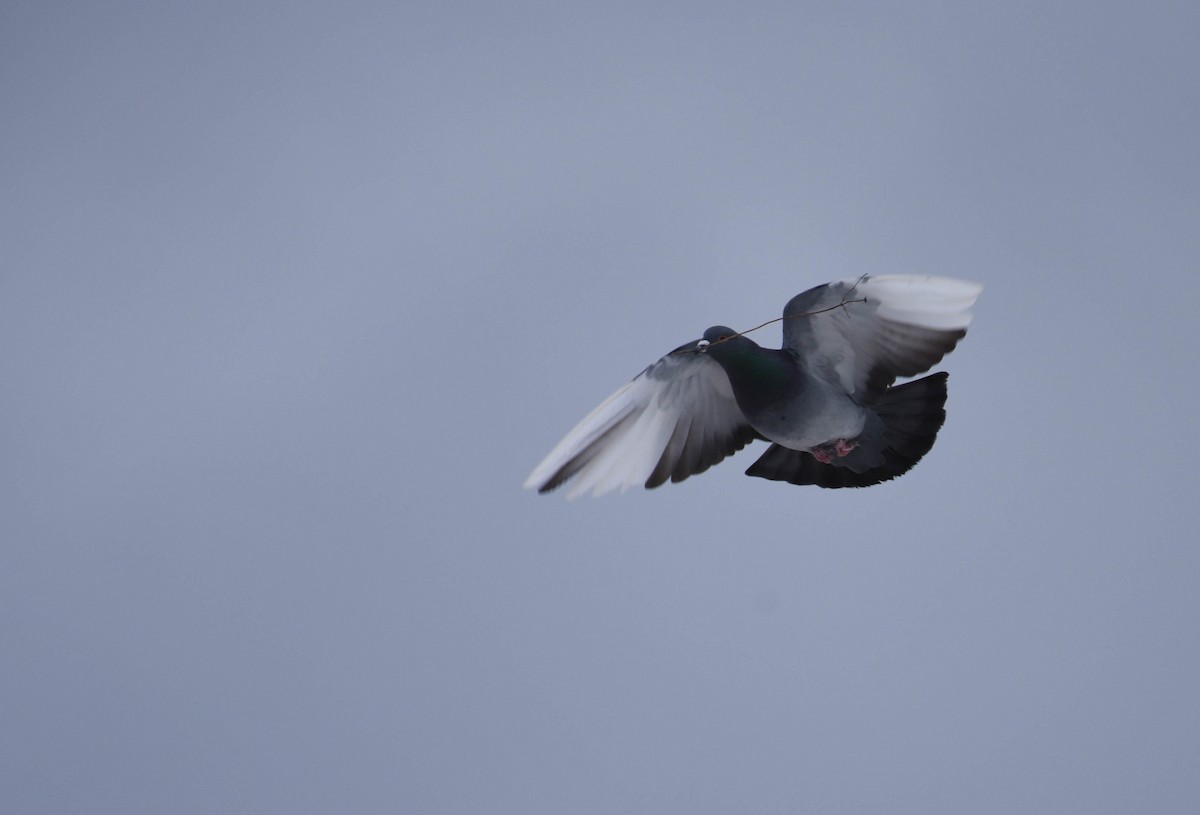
<point>294,295</point>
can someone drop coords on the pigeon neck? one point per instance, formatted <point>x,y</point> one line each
<point>749,365</point>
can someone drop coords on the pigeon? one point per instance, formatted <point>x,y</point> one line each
<point>826,401</point>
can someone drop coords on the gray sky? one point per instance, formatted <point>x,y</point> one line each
<point>293,297</point>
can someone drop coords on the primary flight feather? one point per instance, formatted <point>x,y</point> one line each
<point>826,400</point>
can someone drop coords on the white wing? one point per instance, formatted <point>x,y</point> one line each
<point>674,419</point>
<point>871,330</point>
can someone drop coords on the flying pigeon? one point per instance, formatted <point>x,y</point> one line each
<point>825,401</point>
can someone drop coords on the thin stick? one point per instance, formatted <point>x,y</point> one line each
<point>845,302</point>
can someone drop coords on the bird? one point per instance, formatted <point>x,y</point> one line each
<point>826,401</point>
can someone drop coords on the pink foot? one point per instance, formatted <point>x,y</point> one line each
<point>840,448</point>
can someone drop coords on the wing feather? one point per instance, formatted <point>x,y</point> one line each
<point>865,333</point>
<point>673,420</point>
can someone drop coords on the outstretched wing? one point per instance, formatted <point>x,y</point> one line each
<point>864,333</point>
<point>674,419</point>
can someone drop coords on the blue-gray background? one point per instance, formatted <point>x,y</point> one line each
<point>293,296</point>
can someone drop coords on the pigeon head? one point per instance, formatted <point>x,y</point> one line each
<point>726,344</point>
<point>718,333</point>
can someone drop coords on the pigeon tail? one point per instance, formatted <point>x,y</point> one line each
<point>912,414</point>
